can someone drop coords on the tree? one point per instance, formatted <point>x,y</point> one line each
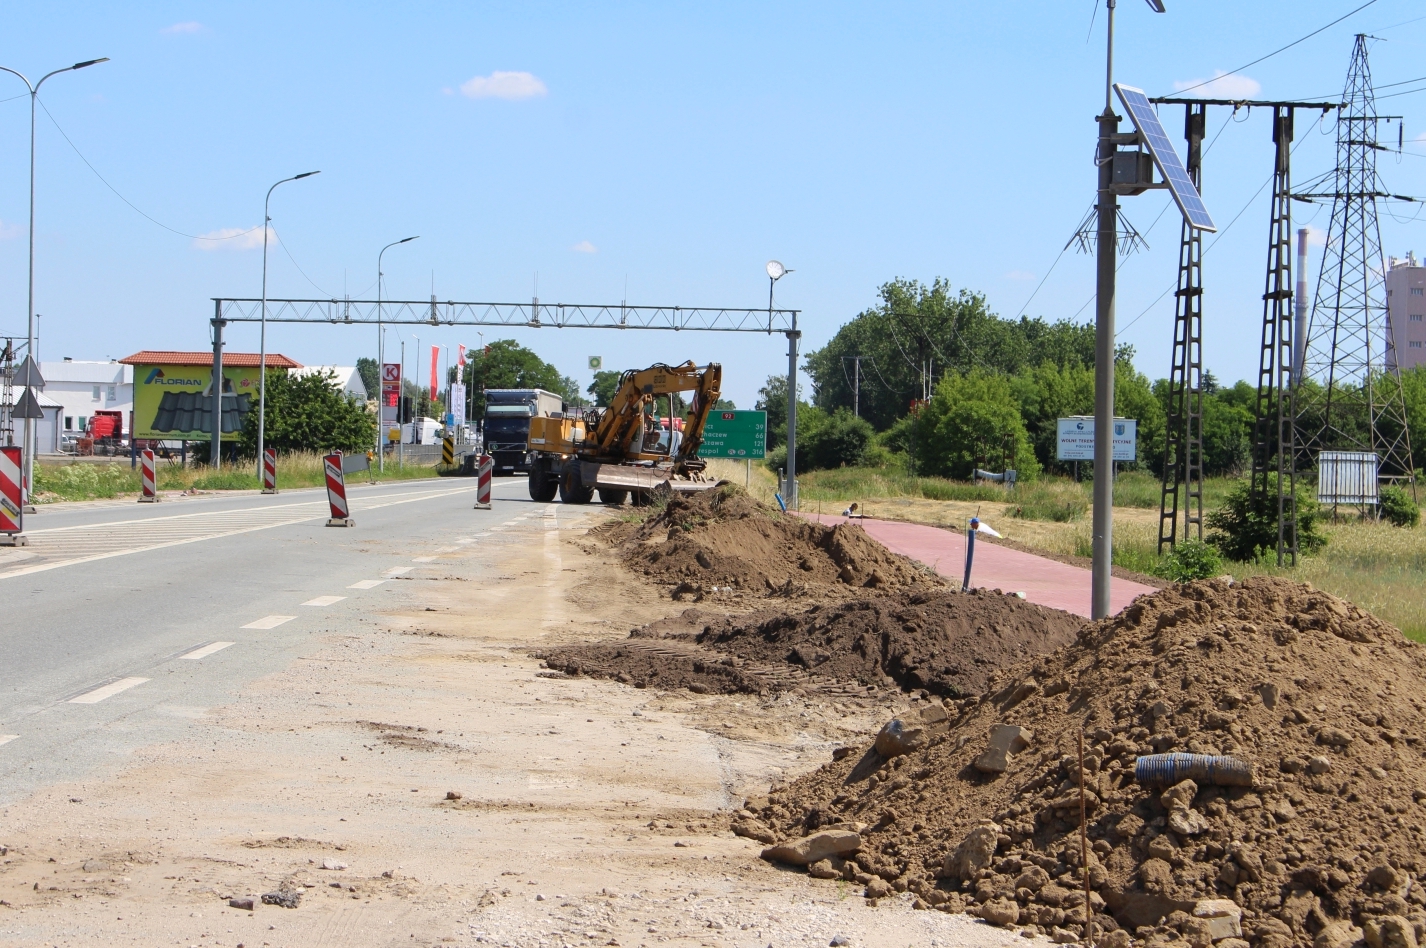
<point>370,376</point>
<point>841,439</point>
<point>973,420</point>
<point>1245,527</point>
<point>605,384</point>
<point>506,364</point>
<point>772,398</point>
<point>309,413</point>
<point>918,329</point>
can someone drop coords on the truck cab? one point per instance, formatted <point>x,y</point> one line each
<point>507,424</point>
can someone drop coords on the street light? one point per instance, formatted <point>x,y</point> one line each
<point>29,477</point>
<point>262,334</point>
<point>381,349</point>
<point>1107,257</point>
<point>776,271</point>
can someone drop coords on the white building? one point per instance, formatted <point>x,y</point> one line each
<point>82,388</point>
<point>47,438</point>
<point>348,379</point>
<point>1406,311</point>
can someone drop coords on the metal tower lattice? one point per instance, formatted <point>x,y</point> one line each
<point>1274,477</point>
<point>1183,445</point>
<point>7,394</point>
<point>1350,397</point>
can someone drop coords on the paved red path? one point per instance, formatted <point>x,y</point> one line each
<point>1042,580</point>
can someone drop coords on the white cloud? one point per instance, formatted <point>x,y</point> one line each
<point>1316,236</point>
<point>1223,85</point>
<point>1020,276</point>
<point>584,246</point>
<point>179,29</point>
<point>233,238</point>
<point>504,85</point>
<point>10,231</point>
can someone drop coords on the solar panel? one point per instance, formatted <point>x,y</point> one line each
<point>1146,120</point>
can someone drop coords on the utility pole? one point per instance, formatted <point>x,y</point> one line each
<point>1107,256</point>
<point>857,387</point>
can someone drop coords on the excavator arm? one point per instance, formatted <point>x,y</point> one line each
<point>619,424</point>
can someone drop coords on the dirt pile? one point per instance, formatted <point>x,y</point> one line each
<point>944,643</point>
<point>722,540</point>
<point>1323,700</point>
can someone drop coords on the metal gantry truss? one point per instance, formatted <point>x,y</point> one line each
<point>1183,444</point>
<point>531,315</point>
<point>1274,475</point>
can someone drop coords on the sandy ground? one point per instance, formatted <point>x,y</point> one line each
<point>419,781</point>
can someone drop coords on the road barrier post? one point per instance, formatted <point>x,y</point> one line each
<point>269,470</point>
<point>148,478</point>
<point>448,451</point>
<point>485,469</point>
<point>337,491</point>
<point>12,511</point>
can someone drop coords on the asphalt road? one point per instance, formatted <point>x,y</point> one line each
<point>122,621</point>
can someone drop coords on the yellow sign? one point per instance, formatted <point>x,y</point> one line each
<point>175,402</point>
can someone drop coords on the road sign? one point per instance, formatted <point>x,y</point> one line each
<point>457,412</point>
<point>1076,439</point>
<point>28,375</point>
<point>596,363</point>
<point>735,434</point>
<point>391,392</point>
<point>28,406</point>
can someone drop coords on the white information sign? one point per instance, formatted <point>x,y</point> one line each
<point>1076,439</point>
<point>458,402</point>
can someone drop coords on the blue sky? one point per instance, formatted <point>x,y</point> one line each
<point>668,148</point>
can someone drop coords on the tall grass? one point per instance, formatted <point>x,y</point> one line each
<point>98,480</point>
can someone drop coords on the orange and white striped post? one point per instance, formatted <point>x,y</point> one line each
<point>148,478</point>
<point>485,468</point>
<point>269,470</point>
<point>12,507</point>
<point>337,491</point>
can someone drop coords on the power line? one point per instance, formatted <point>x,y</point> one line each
<point>1282,49</point>
<point>283,244</point>
<point>120,196</point>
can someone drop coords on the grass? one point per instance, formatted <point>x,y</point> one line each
<point>99,480</point>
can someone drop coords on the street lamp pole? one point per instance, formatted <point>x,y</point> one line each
<point>776,271</point>
<point>381,351</point>
<point>29,438</point>
<point>262,333</point>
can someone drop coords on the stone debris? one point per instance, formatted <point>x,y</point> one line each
<point>332,865</point>
<point>814,848</point>
<point>245,904</point>
<point>283,898</point>
<point>1324,704</point>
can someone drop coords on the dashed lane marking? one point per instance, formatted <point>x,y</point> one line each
<point>324,600</point>
<point>367,584</point>
<point>206,650</point>
<point>399,570</point>
<point>423,559</point>
<point>7,738</point>
<point>107,691</point>
<point>269,622</point>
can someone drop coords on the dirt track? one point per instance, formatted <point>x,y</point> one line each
<point>589,812</point>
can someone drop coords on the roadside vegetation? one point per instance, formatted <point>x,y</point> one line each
<point>100,480</point>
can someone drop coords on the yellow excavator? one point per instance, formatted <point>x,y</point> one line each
<point>622,450</point>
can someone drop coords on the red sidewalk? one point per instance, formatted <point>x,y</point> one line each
<point>1042,580</point>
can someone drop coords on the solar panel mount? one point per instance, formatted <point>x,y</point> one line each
<point>1152,134</point>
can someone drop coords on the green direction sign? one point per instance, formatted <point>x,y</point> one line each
<point>735,434</point>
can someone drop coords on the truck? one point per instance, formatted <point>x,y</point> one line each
<point>507,424</point>
<point>622,451</point>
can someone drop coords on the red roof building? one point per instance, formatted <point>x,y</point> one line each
<point>236,360</point>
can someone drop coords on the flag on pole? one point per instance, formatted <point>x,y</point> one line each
<point>460,356</point>
<point>435,370</point>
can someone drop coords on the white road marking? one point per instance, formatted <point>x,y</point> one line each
<point>367,584</point>
<point>269,622</point>
<point>7,738</point>
<point>107,691</point>
<point>323,600</point>
<point>206,650</point>
<point>398,570</point>
<point>422,559</point>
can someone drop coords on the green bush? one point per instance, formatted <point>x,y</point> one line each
<point>1245,527</point>
<point>841,440</point>
<point>86,480</point>
<point>1190,560</point>
<point>307,413</point>
<point>1397,507</point>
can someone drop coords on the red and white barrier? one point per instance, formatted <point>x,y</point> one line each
<point>337,491</point>
<point>12,508</point>
<point>485,468</point>
<point>269,470</point>
<point>148,478</point>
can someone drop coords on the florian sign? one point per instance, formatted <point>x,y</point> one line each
<point>173,393</point>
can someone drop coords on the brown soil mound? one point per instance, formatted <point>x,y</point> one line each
<point>1325,701</point>
<point>945,643</point>
<point>724,538</point>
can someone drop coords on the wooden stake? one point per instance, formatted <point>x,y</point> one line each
<point>1084,851</point>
